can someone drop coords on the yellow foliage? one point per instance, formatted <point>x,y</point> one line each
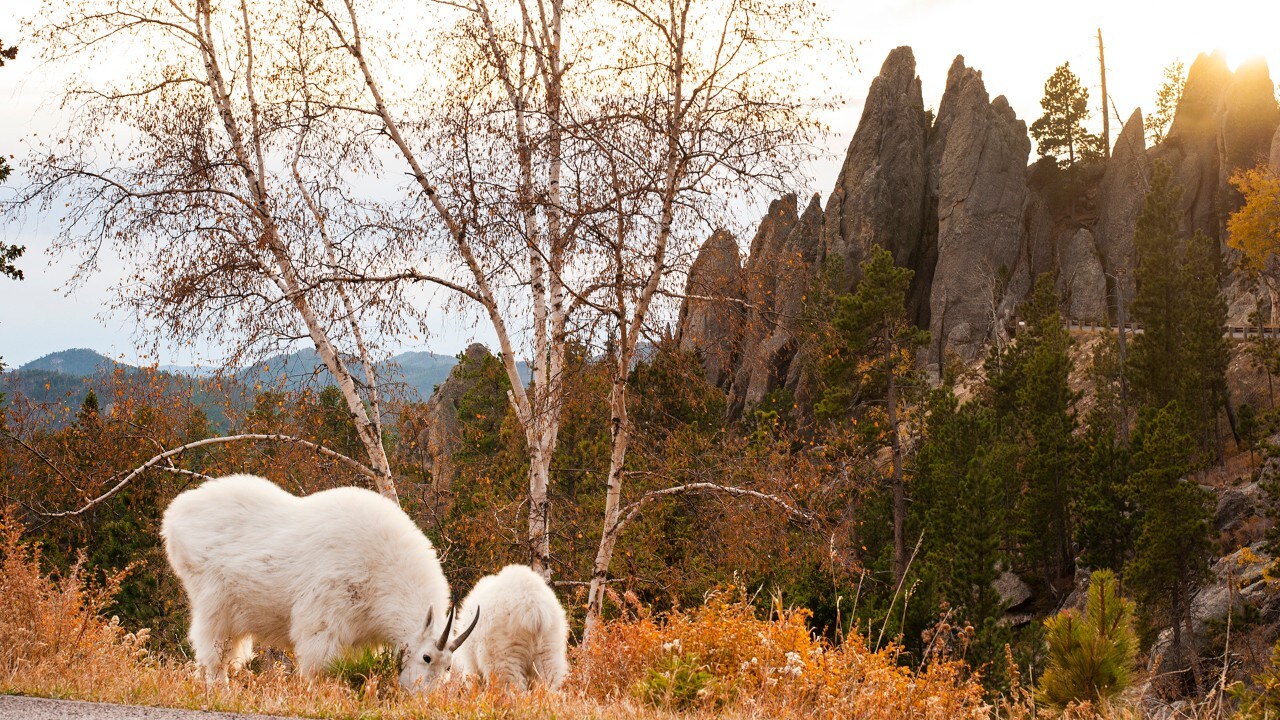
<point>1254,229</point>
<point>775,666</point>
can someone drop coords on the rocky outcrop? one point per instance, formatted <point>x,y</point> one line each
<point>1081,282</point>
<point>1191,147</point>
<point>1249,118</point>
<point>1121,194</point>
<point>712,316</point>
<point>980,152</point>
<point>879,196</point>
<point>785,256</point>
<point>439,439</point>
<point>957,204</point>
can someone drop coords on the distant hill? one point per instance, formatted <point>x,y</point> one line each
<point>67,375</point>
<point>410,375</point>
<point>76,362</point>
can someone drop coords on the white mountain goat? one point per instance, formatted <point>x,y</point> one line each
<point>339,569</point>
<point>521,638</point>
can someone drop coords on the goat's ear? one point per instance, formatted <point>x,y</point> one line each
<point>431,612</point>
<point>457,642</point>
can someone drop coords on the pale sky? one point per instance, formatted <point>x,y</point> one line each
<point>1015,43</point>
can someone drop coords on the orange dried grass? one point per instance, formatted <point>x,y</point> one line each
<point>775,666</point>
<point>55,642</point>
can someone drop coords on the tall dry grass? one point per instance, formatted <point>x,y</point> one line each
<point>723,660</point>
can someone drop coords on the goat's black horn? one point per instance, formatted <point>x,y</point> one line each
<point>448,625</point>
<point>465,633</point>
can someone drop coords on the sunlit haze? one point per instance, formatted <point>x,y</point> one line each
<point>1014,43</point>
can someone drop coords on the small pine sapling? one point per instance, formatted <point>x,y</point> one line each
<point>1090,657</point>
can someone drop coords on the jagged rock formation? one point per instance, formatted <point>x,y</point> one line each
<point>439,439</point>
<point>982,150</point>
<point>1191,147</point>
<point>955,201</point>
<point>784,261</point>
<point>1249,120</point>
<point>712,316</point>
<point>879,197</point>
<point>1120,198</point>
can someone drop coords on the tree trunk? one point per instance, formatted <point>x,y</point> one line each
<point>899,483</point>
<point>620,431</point>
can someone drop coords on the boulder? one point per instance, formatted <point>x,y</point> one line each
<point>1012,590</point>
<point>712,314</point>
<point>1238,506</point>
<point>978,157</point>
<point>1120,199</point>
<point>878,197</point>
<point>1236,580</point>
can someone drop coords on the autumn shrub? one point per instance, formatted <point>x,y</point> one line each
<point>680,682</point>
<point>773,664</point>
<point>1090,656</point>
<point>57,622</point>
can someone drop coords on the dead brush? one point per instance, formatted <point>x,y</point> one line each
<point>55,642</point>
<point>772,666</point>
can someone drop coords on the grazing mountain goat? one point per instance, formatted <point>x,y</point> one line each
<point>522,637</point>
<point>319,574</point>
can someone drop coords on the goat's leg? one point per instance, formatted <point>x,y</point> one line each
<point>240,652</point>
<point>210,642</point>
<point>315,653</point>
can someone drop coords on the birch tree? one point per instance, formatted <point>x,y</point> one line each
<point>491,178</point>
<point>708,110</point>
<point>204,166</point>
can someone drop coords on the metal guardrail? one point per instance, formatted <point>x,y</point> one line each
<point>1233,332</point>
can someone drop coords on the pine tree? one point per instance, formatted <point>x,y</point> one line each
<point>1090,657</point>
<point>1104,523</point>
<point>89,409</point>
<point>959,501</point>
<point>1061,129</point>
<point>1181,355</point>
<point>1167,99</point>
<point>1028,381</point>
<point>869,362</point>
<point>1171,555</point>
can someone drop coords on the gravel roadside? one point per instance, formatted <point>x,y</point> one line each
<point>14,707</point>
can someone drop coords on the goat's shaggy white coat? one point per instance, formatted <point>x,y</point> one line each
<point>522,634</point>
<point>339,569</point>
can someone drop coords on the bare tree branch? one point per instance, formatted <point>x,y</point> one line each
<point>632,511</point>
<point>162,457</point>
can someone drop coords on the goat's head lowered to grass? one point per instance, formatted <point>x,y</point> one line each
<point>426,661</point>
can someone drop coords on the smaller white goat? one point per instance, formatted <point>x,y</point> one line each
<point>319,574</point>
<point>522,636</point>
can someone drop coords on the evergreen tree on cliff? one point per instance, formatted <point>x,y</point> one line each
<point>1171,556</point>
<point>1061,129</point>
